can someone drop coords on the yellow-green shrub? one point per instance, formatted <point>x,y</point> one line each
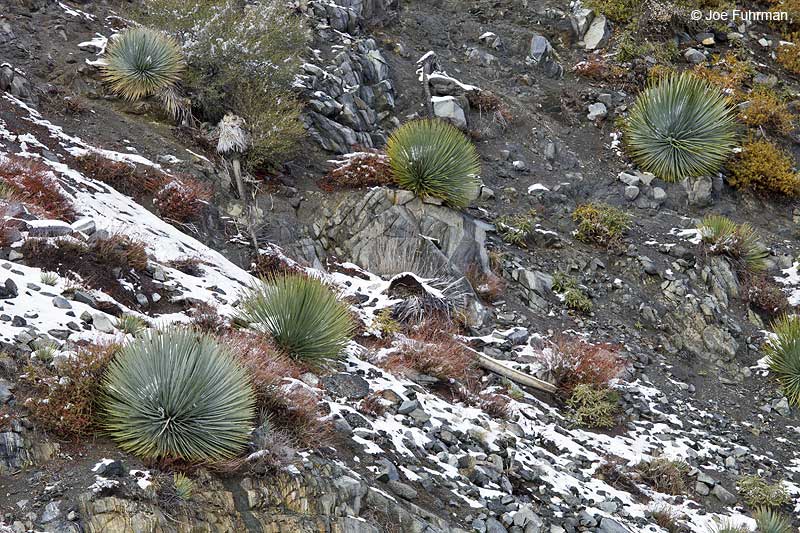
<point>788,55</point>
<point>767,108</point>
<point>765,167</point>
<point>600,224</point>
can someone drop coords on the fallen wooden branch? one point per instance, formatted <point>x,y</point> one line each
<point>516,376</point>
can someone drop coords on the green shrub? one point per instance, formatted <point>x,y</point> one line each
<point>783,356</point>
<point>594,407</point>
<point>680,126</point>
<point>763,166</point>
<point>737,241</point>
<point>432,158</point>
<point>665,475</point>
<point>141,62</point>
<point>302,314</point>
<point>729,526</point>
<point>769,521</point>
<point>514,229</point>
<point>132,324</point>
<point>574,297</point>
<point>177,394</point>
<point>251,75</point>
<point>617,10</point>
<point>600,224</point>
<point>49,278</point>
<point>757,493</point>
<point>184,486</point>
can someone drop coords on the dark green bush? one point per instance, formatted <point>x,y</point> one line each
<point>177,394</point>
<point>783,356</point>
<point>302,314</point>
<point>680,126</point>
<point>432,158</point>
<point>250,75</point>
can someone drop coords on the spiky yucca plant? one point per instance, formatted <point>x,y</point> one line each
<point>302,314</point>
<point>769,521</point>
<point>783,356</point>
<point>141,62</point>
<point>177,394</point>
<point>737,241</point>
<point>432,158</point>
<point>680,126</point>
<point>132,324</point>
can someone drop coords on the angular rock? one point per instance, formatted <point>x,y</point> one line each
<point>598,33</point>
<point>448,108</point>
<point>544,57</point>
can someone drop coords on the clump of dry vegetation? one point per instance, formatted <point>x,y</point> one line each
<point>369,168</point>
<point>764,107</point>
<point>573,362</point>
<point>63,397</point>
<point>665,475</point>
<point>33,184</point>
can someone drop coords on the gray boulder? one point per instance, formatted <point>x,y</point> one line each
<point>545,58</point>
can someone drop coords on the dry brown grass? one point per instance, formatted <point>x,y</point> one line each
<point>369,168</point>
<point>431,350</point>
<point>573,362</point>
<point>34,184</point>
<point>297,411</point>
<point>182,199</point>
<point>64,399</point>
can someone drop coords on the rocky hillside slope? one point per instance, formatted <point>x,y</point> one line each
<point>671,329</point>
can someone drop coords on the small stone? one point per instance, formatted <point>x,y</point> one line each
<point>702,489</point>
<point>782,406</point>
<point>61,303</point>
<point>659,194</point>
<point>8,289</point>
<point>407,406</point>
<point>102,323</point>
<point>598,33</point>
<point>403,490</point>
<point>723,495</point>
<point>631,192</point>
<point>694,56</point>
<point>597,111</point>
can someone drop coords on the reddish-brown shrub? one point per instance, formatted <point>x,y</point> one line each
<point>33,183</point>
<point>119,251</point>
<point>266,265</point>
<point>573,362</point>
<point>63,399</point>
<point>434,352</point>
<point>124,177</point>
<point>296,410</point>
<point>7,226</point>
<point>372,405</point>
<point>488,286</point>
<point>765,295</point>
<point>182,199</point>
<point>487,101</point>
<point>188,265</point>
<point>207,319</point>
<point>598,69</point>
<point>359,169</point>
<point>495,405</point>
